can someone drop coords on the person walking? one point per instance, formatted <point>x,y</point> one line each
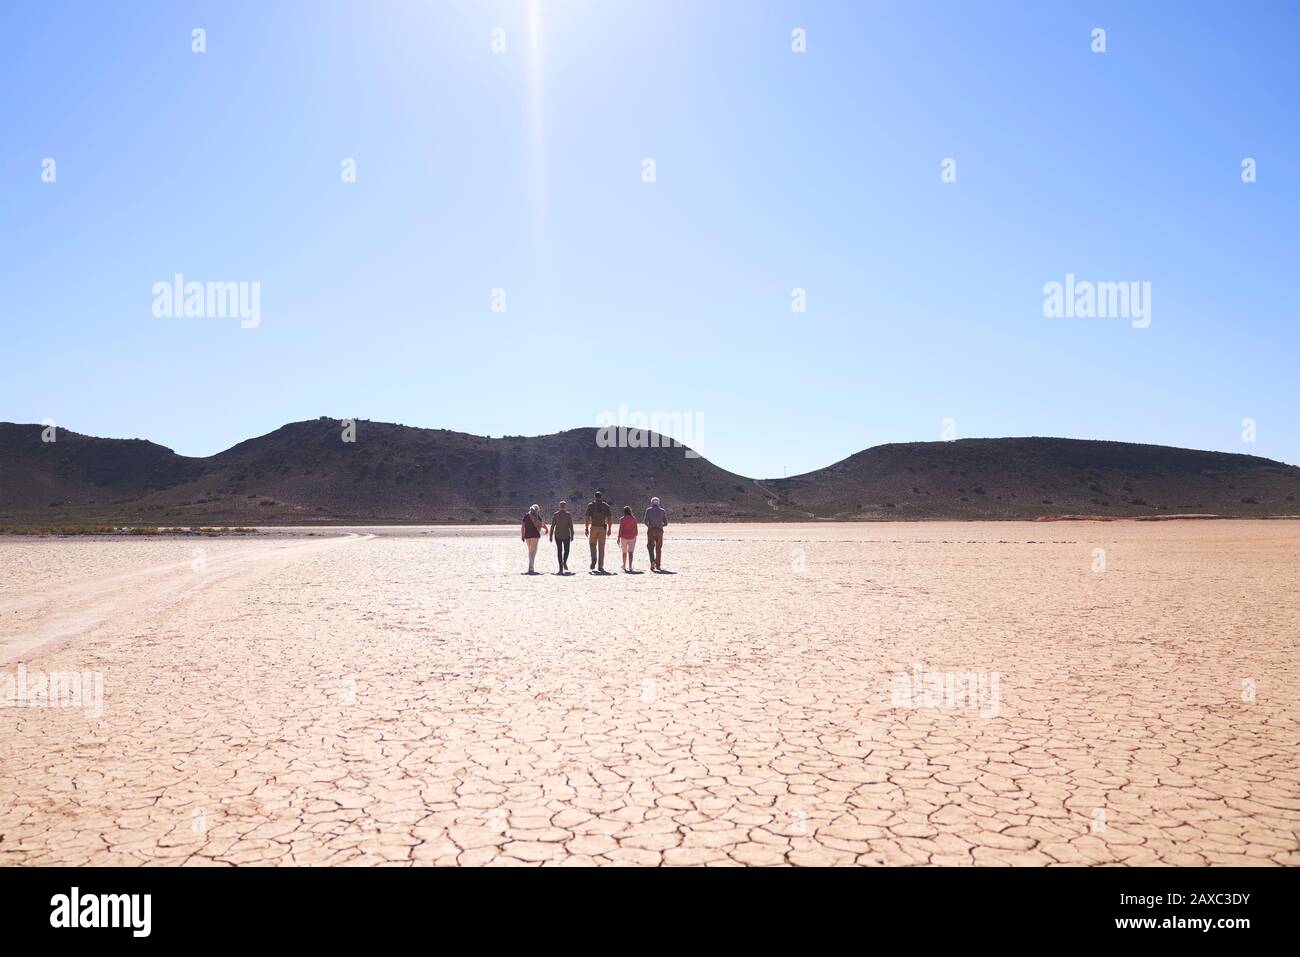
<point>656,520</point>
<point>600,518</point>
<point>562,534</point>
<point>530,532</point>
<point>627,536</point>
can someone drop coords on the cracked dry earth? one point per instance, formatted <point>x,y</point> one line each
<point>405,696</point>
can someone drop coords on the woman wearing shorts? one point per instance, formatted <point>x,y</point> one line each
<point>530,531</point>
<point>627,536</point>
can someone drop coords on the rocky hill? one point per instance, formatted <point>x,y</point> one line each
<point>306,473</point>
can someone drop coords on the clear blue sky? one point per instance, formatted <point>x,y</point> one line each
<point>775,170</point>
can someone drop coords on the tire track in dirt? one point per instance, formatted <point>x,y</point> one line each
<point>77,608</point>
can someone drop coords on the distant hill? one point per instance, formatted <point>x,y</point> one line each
<point>81,469</point>
<point>1029,477</point>
<point>304,473</point>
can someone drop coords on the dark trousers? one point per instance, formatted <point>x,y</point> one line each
<point>562,551</point>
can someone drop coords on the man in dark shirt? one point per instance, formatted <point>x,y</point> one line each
<point>599,519</point>
<point>562,535</point>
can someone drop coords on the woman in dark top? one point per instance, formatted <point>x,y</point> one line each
<point>530,532</point>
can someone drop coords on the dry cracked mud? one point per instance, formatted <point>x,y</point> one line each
<point>406,696</point>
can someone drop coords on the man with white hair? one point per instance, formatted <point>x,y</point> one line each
<point>655,520</point>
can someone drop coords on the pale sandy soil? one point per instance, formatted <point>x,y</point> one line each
<point>376,696</point>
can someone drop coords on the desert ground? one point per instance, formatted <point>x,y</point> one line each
<point>892,693</point>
